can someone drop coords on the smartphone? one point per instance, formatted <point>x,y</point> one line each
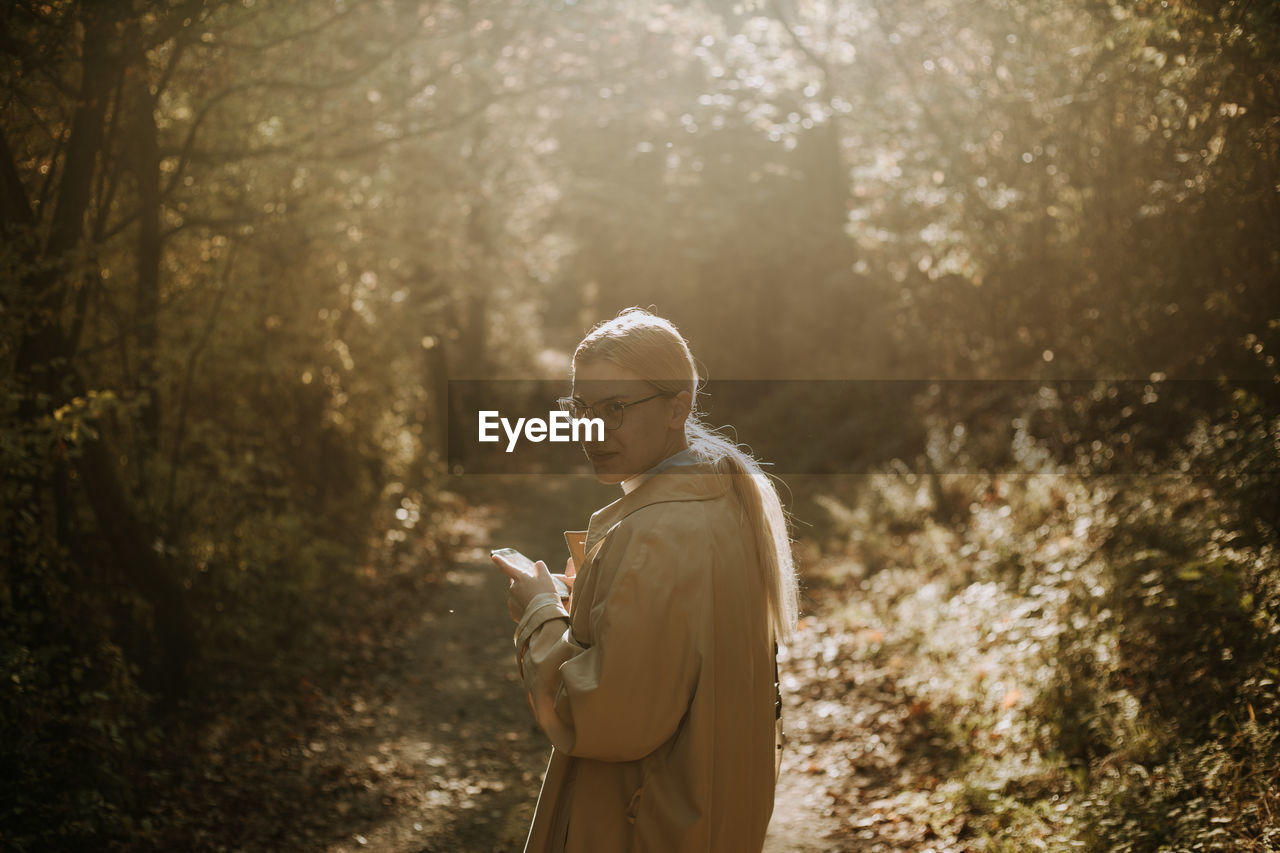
<point>511,555</point>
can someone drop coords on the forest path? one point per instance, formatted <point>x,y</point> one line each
<point>453,754</point>
<point>461,757</point>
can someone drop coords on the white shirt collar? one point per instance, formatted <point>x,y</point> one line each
<point>683,457</point>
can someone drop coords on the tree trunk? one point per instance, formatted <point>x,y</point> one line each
<point>43,360</point>
<point>146,157</point>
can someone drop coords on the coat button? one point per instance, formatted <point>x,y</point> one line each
<point>634,805</point>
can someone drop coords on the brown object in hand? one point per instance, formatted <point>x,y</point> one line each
<point>577,542</point>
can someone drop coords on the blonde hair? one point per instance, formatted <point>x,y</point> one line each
<point>652,347</point>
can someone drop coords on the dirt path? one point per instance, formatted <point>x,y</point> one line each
<point>863,759</point>
<point>455,747</point>
<point>449,760</point>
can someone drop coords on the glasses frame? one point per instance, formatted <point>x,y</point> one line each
<point>567,404</point>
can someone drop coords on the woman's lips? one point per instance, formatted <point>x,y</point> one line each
<point>601,457</point>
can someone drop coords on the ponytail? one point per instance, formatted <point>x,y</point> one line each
<point>765,518</point>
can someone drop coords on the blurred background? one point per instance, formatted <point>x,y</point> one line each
<point>247,245</point>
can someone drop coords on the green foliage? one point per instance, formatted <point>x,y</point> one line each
<point>1168,696</point>
<point>1103,646</point>
<point>72,716</point>
<point>72,739</point>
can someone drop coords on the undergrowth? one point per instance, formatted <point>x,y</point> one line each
<point>1102,649</point>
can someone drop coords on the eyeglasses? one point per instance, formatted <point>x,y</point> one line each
<point>611,412</point>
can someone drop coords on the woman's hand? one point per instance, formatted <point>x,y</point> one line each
<point>524,586</point>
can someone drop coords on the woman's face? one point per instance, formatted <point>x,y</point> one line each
<point>650,432</point>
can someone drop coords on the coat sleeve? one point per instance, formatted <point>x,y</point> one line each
<point>622,697</point>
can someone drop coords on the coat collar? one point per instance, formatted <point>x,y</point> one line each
<point>698,481</point>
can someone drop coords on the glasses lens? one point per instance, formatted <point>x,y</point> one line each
<point>611,414</point>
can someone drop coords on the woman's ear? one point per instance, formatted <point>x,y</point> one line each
<point>680,411</point>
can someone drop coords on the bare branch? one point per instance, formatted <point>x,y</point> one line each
<point>184,398</point>
<point>177,21</point>
<point>819,62</point>
<point>293,36</point>
<point>188,145</point>
<point>463,117</point>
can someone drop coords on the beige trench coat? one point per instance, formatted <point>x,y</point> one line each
<point>656,688</point>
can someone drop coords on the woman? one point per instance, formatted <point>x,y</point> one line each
<point>657,684</point>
